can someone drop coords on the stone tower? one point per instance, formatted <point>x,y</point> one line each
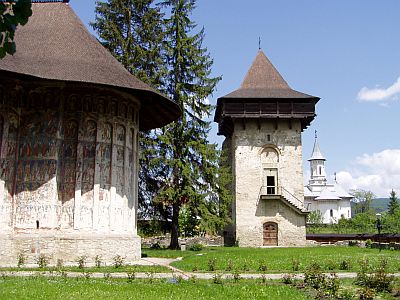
<point>262,122</point>
<point>70,115</point>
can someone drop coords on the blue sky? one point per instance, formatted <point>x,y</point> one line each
<point>345,52</point>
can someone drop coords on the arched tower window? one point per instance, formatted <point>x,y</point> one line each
<point>270,163</point>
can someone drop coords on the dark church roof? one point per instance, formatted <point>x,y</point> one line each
<point>264,81</point>
<point>55,45</point>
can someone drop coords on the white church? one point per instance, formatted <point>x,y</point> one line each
<point>330,199</point>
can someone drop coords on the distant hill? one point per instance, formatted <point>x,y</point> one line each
<point>378,204</point>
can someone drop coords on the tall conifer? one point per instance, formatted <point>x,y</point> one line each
<point>178,164</point>
<point>192,161</point>
<point>393,203</point>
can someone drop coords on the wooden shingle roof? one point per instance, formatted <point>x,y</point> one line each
<point>264,81</point>
<point>55,45</point>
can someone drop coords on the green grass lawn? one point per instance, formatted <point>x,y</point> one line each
<point>104,269</point>
<point>81,288</point>
<point>278,260</point>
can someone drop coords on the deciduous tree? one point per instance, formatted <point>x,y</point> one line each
<point>12,14</point>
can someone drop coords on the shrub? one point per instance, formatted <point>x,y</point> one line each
<point>344,264</point>
<point>211,264</point>
<point>60,263</point>
<point>81,261</point>
<point>331,265</point>
<point>380,280</point>
<point>196,247</point>
<point>295,265</point>
<point>229,266</point>
<point>287,278</point>
<point>331,286</point>
<point>21,259</point>
<point>368,243</point>
<point>97,261</point>
<point>118,261</point>
<point>42,261</point>
<point>236,275</point>
<point>366,294</point>
<point>245,266</point>
<point>262,266</point>
<point>313,276</point>
<point>217,278</point>
<point>131,275</point>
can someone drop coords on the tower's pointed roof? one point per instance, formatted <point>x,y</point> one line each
<point>55,45</point>
<point>264,81</point>
<point>316,154</point>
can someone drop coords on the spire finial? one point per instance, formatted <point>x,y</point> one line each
<point>259,43</point>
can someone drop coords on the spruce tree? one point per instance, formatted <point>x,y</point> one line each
<point>192,162</point>
<point>393,203</point>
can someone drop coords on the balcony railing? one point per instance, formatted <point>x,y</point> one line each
<point>271,191</point>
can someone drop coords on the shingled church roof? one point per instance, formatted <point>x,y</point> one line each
<point>55,45</point>
<point>264,81</point>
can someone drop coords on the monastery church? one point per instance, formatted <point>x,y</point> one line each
<point>330,199</point>
<point>70,116</point>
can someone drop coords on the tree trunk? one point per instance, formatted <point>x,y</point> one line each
<point>175,227</point>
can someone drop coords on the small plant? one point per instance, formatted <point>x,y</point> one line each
<point>195,268</point>
<point>60,263</point>
<point>380,280</point>
<point>263,278</point>
<point>236,275</point>
<point>346,295</point>
<point>262,266</point>
<point>97,261</point>
<point>193,279</point>
<point>368,243</point>
<point>313,276</point>
<point>131,275</point>
<point>118,261</point>
<point>196,247</point>
<point>331,286</point>
<point>331,265</point>
<point>229,266</point>
<point>287,278</point>
<point>344,265</point>
<point>106,275</point>
<point>366,294</point>
<point>42,261</point>
<point>21,259</point>
<point>150,276</point>
<point>245,266</point>
<point>86,275</point>
<point>81,261</point>
<point>217,278</point>
<point>295,265</point>
<point>211,264</point>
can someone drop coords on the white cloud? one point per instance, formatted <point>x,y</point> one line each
<point>379,94</point>
<point>377,172</point>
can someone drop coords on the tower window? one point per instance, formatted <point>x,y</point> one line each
<point>268,137</point>
<point>331,213</point>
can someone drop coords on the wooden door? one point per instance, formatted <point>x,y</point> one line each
<point>270,234</point>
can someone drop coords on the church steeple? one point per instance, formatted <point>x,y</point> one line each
<point>317,165</point>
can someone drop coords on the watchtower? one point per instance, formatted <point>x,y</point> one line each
<point>262,122</point>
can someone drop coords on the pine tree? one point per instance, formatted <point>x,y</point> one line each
<point>133,32</point>
<point>393,203</point>
<point>192,162</point>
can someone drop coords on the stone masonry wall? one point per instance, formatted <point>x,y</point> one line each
<point>248,143</point>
